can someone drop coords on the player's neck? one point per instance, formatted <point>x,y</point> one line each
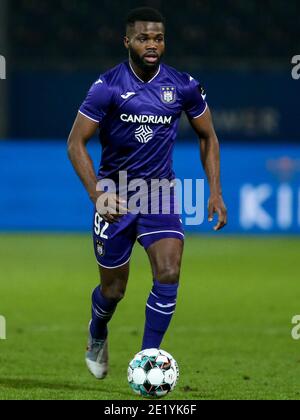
<point>145,76</point>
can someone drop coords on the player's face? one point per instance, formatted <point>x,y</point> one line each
<point>146,44</point>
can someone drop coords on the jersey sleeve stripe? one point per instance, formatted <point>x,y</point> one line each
<point>92,119</point>
<point>206,106</point>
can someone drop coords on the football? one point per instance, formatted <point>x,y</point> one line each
<point>153,373</point>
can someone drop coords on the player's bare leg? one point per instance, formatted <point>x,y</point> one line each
<point>165,257</point>
<point>105,300</point>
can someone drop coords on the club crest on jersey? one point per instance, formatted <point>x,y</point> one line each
<point>100,249</point>
<point>168,94</point>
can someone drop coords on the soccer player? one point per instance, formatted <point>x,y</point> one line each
<point>137,106</point>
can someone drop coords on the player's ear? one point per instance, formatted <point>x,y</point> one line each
<point>126,42</point>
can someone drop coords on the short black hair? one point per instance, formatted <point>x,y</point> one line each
<point>144,14</point>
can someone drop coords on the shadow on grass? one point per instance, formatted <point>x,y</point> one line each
<point>26,384</point>
<point>36,384</point>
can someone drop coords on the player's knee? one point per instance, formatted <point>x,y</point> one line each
<point>119,295</point>
<point>114,292</point>
<point>168,275</point>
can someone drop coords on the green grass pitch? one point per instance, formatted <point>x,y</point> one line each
<point>231,334</point>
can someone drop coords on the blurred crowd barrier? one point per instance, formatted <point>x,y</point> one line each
<point>247,105</point>
<point>261,186</point>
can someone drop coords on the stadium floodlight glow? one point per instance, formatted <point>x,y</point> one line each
<point>296,69</point>
<point>2,328</point>
<point>2,68</point>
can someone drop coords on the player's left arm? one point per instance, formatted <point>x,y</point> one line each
<point>210,157</point>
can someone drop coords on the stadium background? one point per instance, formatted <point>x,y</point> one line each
<point>241,52</point>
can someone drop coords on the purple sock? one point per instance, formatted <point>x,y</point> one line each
<point>159,312</point>
<point>102,312</point>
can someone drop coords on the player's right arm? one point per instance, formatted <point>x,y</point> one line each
<point>83,130</point>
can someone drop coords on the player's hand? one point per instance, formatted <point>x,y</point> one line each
<point>111,207</point>
<point>216,205</point>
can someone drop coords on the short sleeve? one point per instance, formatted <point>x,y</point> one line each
<point>195,99</point>
<point>97,102</point>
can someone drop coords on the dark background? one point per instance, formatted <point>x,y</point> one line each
<point>241,52</point>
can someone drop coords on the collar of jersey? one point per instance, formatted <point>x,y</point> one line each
<point>130,66</point>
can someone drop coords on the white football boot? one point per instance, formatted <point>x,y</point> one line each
<point>96,357</point>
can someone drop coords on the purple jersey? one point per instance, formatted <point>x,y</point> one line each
<point>139,120</point>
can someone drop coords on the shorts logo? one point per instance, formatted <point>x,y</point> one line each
<point>144,134</point>
<point>100,249</point>
<point>168,94</point>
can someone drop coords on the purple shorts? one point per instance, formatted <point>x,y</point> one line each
<point>113,243</point>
